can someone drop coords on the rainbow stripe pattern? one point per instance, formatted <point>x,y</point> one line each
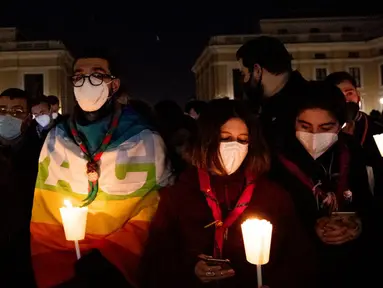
<point>132,170</point>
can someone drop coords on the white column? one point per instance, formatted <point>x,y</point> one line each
<point>230,66</point>
<point>229,82</point>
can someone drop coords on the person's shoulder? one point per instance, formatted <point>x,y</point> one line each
<point>375,126</point>
<point>187,181</point>
<point>272,199</point>
<point>189,122</point>
<point>182,191</point>
<point>61,128</point>
<point>297,77</point>
<point>269,186</point>
<point>147,135</point>
<point>297,81</point>
<point>132,123</point>
<point>273,192</point>
<point>355,150</point>
<point>129,114</point>
<point>187,178</point>
<point>31,129</point>
<point>350,141</point>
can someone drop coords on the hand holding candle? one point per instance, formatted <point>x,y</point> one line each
<point>257,240</point>
<point>74,222</point>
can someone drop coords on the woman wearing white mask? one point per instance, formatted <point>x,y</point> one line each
<point>323,171</point>
<point>200,216</point>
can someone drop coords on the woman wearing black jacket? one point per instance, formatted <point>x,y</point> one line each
<point>324,171</point>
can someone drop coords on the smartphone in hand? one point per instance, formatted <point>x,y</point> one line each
<point>344,219</point>
<point>224,263</point>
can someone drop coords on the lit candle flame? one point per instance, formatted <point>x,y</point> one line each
<point>74,221</point>
<point>68,204</point>
<point>257,240</point>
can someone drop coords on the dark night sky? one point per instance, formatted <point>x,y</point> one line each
<point>156,70</point>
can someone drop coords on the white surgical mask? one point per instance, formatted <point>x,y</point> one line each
<point>318,143</point>
<point>232,155</point>
<point>10,127</point>
<point>43,120</point>
<point>91,98</point>
<point>55,115</point>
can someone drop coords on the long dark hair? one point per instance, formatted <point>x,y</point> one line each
<point>205,148</point>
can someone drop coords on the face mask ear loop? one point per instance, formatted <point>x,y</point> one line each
<point>113,92</point>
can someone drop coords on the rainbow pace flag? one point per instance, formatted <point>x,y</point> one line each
<point>132,169</point>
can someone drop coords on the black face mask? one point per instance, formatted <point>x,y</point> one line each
<point>254,90</point>
<point>352,110</point>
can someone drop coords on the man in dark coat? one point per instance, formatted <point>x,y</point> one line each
<point>362,127</point>
<point>19,151</point>
<point>270,84</point>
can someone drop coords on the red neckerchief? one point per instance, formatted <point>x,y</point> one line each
<point>220,224</point>
<point>342,187</point>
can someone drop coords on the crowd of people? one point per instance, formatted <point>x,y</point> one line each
<point>167,188</point>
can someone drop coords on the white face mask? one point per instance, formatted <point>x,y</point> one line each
<point>10,127</point>
<point>91,98</point>
<point>232,155</point>
<point>55,115</point>
<point>318,143</point>
<point>43,120</point>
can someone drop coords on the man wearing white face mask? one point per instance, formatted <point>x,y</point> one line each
<point>42,114</point>
<point>105,158</point>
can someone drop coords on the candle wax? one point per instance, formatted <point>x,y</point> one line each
<point>257,240</point>
<point>74,221</point>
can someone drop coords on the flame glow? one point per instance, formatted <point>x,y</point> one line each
<point>68,204</point>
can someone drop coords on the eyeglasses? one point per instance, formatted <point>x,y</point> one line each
<point>15,112</point>
<point>96,79</point>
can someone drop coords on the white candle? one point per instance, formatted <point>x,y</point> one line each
<point>74,222</point>
<point>379,142</point>
<point>257,240</point>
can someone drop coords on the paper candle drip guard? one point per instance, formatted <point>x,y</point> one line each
<point>257,240</point>
<point>74,222</point>
<point>379,142</point>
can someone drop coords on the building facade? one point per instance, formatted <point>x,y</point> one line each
<point>318,46</point>
<point>40,67</point>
